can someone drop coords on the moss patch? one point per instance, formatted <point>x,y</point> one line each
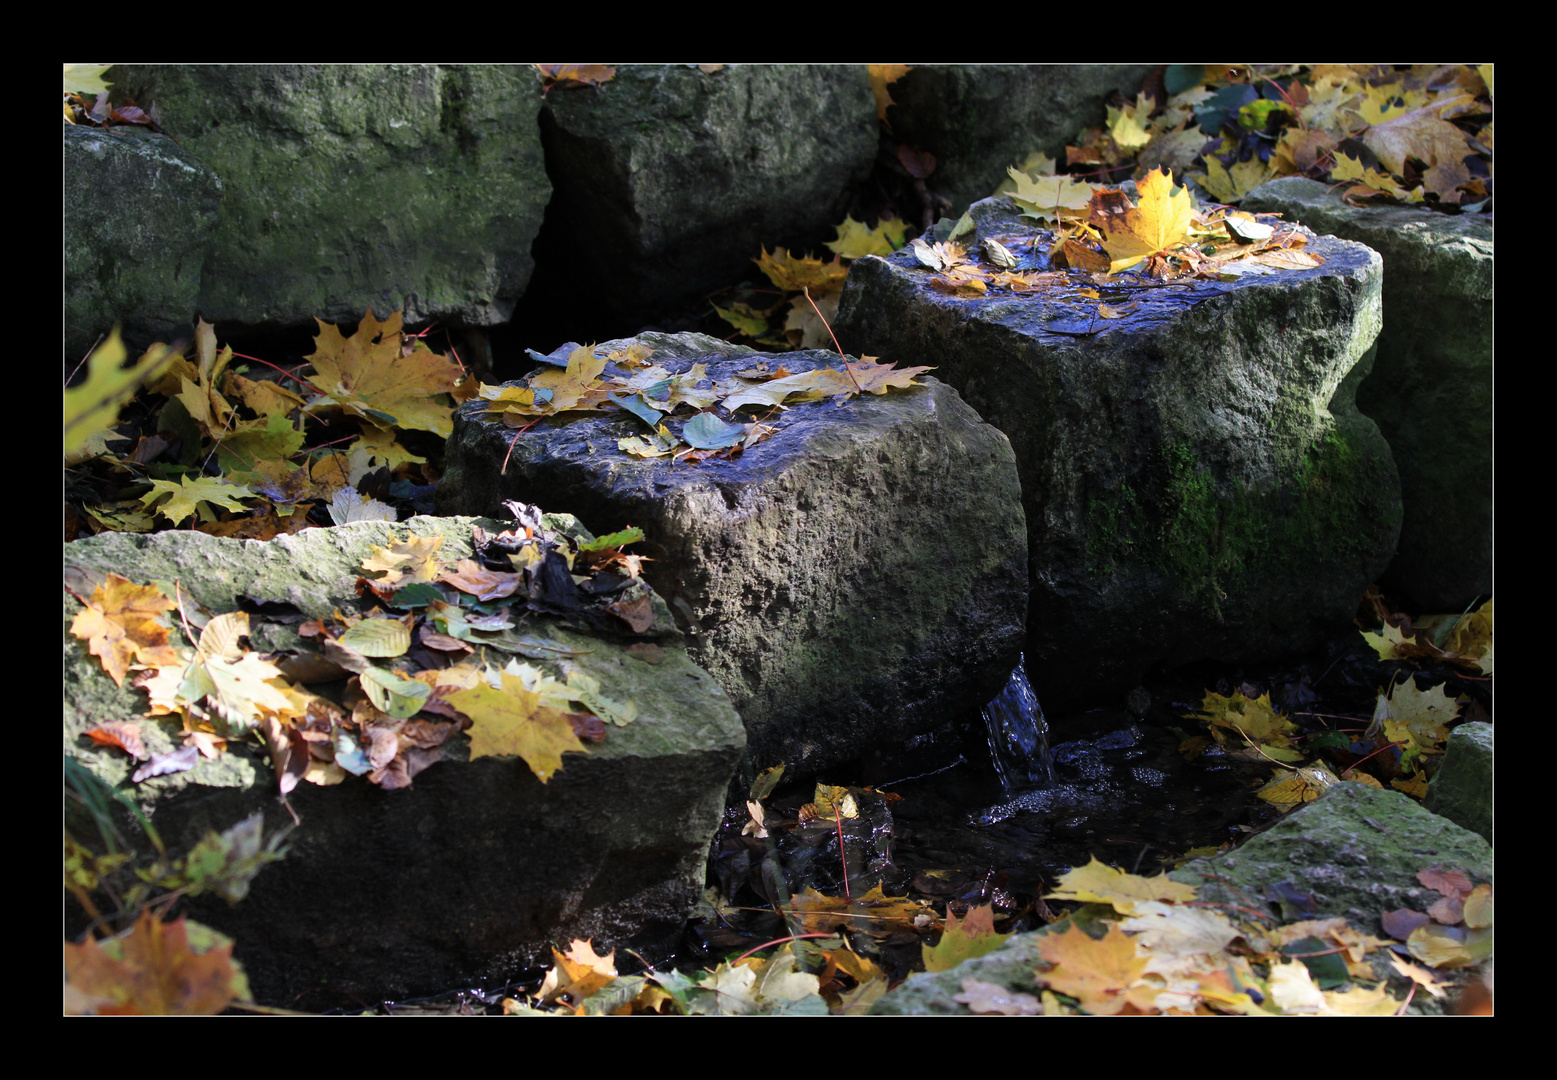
<point>1210,538</point>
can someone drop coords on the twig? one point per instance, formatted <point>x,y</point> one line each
<point>858,389</point>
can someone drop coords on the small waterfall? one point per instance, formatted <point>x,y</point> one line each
<point>1019,735</point>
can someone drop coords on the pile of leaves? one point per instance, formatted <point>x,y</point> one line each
<point>87,101</point>
<point>577,380</point>
<point>1406,134</point>
<point>174,438</point>
<point>454,638</point>
<point>1136,946</point>
<point>1100,233</point>
<point>1398,746</point>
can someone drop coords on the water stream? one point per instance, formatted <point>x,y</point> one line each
<point>1019,735</point>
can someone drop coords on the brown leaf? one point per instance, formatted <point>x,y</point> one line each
<point>122,624</point>
<point>157,972</point>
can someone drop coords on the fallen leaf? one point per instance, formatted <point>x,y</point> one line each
<point>156,969</point>
<point>1097,973</point>
<point>1105,885</point>
<point>972,935</point>
<point>513,721</point>
<point>122,624</point>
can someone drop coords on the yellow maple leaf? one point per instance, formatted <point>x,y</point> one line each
<point>1047,197</point>
<point>1097,973</point>
<point>122,623</point>
<point>187,496</point>
<point>881,77</point>
<point>875,912</point>
<point>1416,717</point>
<point>1159,221</point>
<point>406,562</point>
<point>1238,721</point>
<point>1290,789</point>
<point>1130,126</point>
<point>234,682</point>
<point>579,974</point>
<point>157,969</point>
<point>367,376</point>
<point>856,240</point>
<point>576,74</point>
<point>569,387</point>
<point>1103,884</point>
<point>513,721</point>
<point>1232,186</point>
<point>793,273</point>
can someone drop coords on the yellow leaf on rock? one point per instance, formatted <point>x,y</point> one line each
<point>513,721</point>
<point>122,623</point>
<point>406,562</point>
<point>874,378</point>
<point>1159,221</point>
<point>1097,973</point>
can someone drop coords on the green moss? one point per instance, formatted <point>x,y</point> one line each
<point>1209,538</point>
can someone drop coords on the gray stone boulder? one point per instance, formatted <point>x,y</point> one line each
<point>671,180</point>
<point>1461,790</point>
<point>411,187</point>
<point>980,119</point>
<point>853,581</point>
<point>1354,852</point>
<point>140,219</point>
<point>1197,479</point>
<point>1431,386</point>
<point>476,869</point>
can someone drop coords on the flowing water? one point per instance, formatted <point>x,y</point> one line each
<point>1019,735</point>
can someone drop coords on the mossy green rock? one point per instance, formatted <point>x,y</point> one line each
<point>478,868</point>
<point>1198,482</point>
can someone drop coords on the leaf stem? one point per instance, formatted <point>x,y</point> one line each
<point>848,370</point>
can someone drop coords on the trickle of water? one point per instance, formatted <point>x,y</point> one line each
<point>1019,735</point>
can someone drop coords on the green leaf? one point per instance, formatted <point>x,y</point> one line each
<point>705,431</point>
<point>93,407</point>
